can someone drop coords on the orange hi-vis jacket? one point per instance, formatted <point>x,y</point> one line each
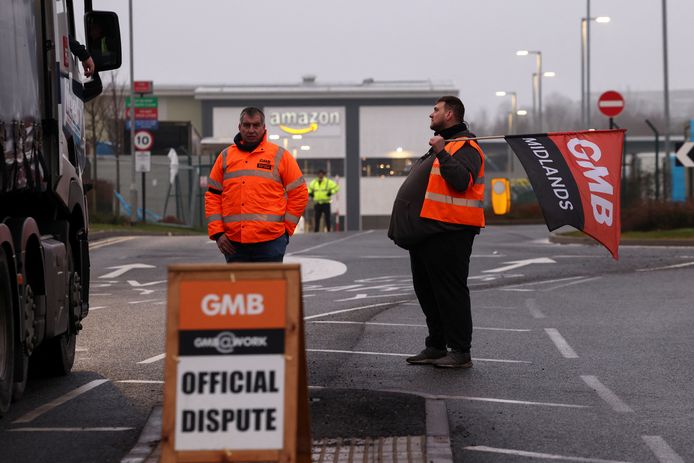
<point>254,197</point>
<point>443,203</point>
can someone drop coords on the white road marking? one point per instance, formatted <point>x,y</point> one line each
<point>140,381</point>
<point>585,280</point>
<point>137,284</point>
<point>535,311</point>
<point>156,358</point>
<point>606,394</point>
<point>145,300</point>
<point>108,242</point>
<point>663,452</point>
<point>314,269</point>
<point>115,429</point>
<point>366,296</point>
<point>32,415</point>
<point>97,307</point>
<point>390,354</point>
<point>121,269</point>
<point>546,456</point>
<point>520,290</point>
<point>330,243</point>
<point>100,294</point>
<point>559,341</point>
<point>512,402</point>
<point>419,325</point>
<point>543,282</point>
<point>579,256</point>
<point>667,267</point>
<point>498,307</point>
<point>520,263</point>
<point>371,306</point>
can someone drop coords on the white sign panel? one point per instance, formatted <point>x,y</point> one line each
<point>143,161</point>
<point>227,401</point>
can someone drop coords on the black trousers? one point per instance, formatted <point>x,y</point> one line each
<point>440,268</point>
<point>321,209</point>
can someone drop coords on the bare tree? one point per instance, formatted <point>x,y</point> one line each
<point>105,117</point>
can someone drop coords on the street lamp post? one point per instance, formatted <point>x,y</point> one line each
<point>585,64</point>
<point>535,85</point>
<point>511,124</point>
<point>537,82</point>
<point>133,184</point>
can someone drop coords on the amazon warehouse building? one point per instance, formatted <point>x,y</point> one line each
<point>364,135</point>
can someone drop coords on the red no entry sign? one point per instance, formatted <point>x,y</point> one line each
<point>611,103</point>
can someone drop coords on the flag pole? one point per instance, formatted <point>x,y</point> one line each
<point>488,137</point>
<point>496,137</point>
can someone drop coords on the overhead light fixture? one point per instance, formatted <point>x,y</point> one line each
<point>297,137</point>
<point>274,137</point>
<point>522,112</point>
<point>602,19</point>
<point>399,149</point>
<point>549,74</point>
<point>501,93</point>
<point>305,147</point>
<point>522,53</point>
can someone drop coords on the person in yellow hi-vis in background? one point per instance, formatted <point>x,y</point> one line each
<point>321,190</point>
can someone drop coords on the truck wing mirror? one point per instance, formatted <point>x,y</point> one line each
<point>103,39</point>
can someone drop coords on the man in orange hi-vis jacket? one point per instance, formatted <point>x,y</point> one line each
<point>256,195</point>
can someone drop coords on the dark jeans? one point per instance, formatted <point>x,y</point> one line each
<point>266,251</point>
<point>440,268</point>
<point>321,209</point>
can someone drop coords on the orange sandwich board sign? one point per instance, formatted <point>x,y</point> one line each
<point>235,384</point>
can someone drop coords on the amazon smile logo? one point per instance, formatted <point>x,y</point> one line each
<point>303,122</point>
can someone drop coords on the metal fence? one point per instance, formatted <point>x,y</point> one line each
<point>172,193</point>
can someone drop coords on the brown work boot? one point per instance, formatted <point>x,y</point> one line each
<point>454,359</point>
<point>427,356</point>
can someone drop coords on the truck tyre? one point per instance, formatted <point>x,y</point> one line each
<point>24,343</point>
<point>7,343</point>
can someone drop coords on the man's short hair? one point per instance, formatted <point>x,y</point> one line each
<point>321,171</point>
<point>252,111</point>
<point>454,104</point>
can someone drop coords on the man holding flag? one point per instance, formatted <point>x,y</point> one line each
<point>437,213</point>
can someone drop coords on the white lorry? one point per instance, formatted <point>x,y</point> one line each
<point>44,253</point>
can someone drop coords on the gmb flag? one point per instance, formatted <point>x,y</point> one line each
<point>576,178</point>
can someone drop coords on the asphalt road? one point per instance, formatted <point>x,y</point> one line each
<point>577,357</point>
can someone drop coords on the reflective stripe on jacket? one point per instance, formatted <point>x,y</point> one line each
<point>320,189</point>
<point>443,203</point>
<point>254,197</point>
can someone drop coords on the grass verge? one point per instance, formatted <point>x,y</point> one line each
<point>141,228</point>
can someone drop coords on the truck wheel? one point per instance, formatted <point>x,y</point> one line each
<point>6,336</point>
<point>25,344</point>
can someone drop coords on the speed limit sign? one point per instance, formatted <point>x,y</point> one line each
<point>143,140</point>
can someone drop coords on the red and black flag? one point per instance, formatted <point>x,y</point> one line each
<point>576,177</point>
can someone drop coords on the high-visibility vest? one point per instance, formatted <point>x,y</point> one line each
<point>443,203</point>
<point>255,197</point>
<point>320,190</point>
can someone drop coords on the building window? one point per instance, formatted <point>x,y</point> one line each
<point>385,167</point>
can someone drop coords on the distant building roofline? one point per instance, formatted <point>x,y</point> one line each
<point>310,88</point>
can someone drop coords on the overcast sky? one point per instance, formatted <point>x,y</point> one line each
<point>471,43</point>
